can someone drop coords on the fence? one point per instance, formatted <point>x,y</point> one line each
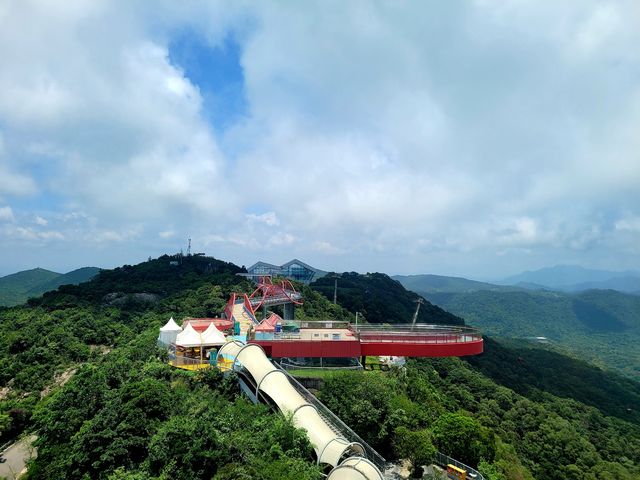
<point>444,460</point>
<point>338,425</point>
<point>187,363</point>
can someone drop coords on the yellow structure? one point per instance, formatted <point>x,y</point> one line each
<point>456,473</point>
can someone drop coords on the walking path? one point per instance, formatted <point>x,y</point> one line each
<point>15,458</point>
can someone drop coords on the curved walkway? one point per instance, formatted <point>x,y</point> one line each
<point>15,457</point>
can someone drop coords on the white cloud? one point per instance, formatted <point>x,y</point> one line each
<point>629,224</point>
<point>38,220</point>
<point>6,214</point>
<point>17,232</point>
<point>408,136</point>
<point>269,218</point>
<point>282,239</point>
<point>13,183</point>
<point>108,236</point>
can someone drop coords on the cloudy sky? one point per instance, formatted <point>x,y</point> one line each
<point>478,138</point>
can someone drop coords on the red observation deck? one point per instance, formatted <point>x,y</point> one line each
<point>340,339</point>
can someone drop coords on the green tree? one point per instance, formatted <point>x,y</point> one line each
<point>416,446</point>
<point>463,438</point>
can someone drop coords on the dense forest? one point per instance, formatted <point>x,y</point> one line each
<point>601,326</point>
<point>516,412</point>
<point>380,299</point>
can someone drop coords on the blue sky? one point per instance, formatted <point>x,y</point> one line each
<point>473,138</point>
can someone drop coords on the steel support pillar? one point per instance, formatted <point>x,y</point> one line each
<point>289,311</point>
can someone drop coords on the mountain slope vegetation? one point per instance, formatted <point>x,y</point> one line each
<point>380,299</point>
<point>601,326</point>
<point>19,287</point>
<point>14,287</point>
<point>440,283</point>
<point>574,278</point>
<point>125,414</point>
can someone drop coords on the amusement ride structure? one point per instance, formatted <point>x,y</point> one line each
<point>247,349</point>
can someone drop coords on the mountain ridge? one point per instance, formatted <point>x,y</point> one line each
<point>576,278</point>
<point>17,288</point>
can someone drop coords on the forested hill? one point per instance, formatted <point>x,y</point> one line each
<point>439,283</point>
<point>380,299</point>
<point>602,326</point>
<point>14,287</point>
<point>124,414</point>
<point>18,287</point>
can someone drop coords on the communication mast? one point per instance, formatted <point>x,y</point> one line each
<point>189,248</point>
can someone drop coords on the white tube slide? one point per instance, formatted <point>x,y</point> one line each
<point>329,445</point>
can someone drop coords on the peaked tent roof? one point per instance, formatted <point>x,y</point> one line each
<point>189,338</point>
<point>171,326</point>
<point>265,326</point>
<point>269,323</point>
<point>212,336</point>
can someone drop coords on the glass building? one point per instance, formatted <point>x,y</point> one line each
<point>294,270</point>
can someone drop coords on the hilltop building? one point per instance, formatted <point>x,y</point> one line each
<point>294,270</point>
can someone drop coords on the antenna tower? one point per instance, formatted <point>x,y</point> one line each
<point>189,248</point>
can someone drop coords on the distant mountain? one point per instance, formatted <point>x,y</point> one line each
<point>602,326</point>
<point>74,277</point>
<point>439,283</point>
<point>622,284</point>
<point>18,287</point>
<point>14,287</point>
<point>575,278</point>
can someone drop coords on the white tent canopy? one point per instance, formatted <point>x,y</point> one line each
<point>189,338</point>
<point>169,332</point>
<point>212,336</point>
<point>171,326</point>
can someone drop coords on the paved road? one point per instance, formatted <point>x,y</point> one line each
<point>16,457</point>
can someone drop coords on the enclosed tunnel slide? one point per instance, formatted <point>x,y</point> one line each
<point>331,448</point>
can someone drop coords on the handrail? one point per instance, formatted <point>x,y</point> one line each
<point>444,460</point>
<point>331,417</point>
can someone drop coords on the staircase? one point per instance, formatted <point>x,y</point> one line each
<point>243,317</point>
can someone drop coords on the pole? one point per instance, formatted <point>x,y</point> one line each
<point>415,315</point>
<point>356,321</point>
<point>335,291</point>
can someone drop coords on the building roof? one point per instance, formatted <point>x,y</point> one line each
<point>295,260</point>
<point>269,323</point>
<point>284,265</point>
<point>201,324</point>
<point>171,326</point>
<point>212,336</point>
<point>263,264</point>
<point>189,337</point>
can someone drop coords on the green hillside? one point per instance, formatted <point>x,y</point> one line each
<point>14,288</point>
<point>517,412</point>
<point>572,278</point>
<point>602,326</point>
<point>19,287</point>
<point>439,283</point>
<point>74,277</point>
<point>380,299</point>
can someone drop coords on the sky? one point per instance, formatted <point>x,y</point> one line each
<point>476,138</point>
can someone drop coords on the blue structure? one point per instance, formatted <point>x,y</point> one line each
<point>294,270</point>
